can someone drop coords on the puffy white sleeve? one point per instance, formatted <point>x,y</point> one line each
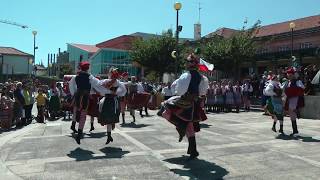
<point>73,85</point>
<point>122,90</point>
<point>140,88</point>
<point>204,86</point>
<point>268,91</point>
<point>182,84</point>
<point>300,84</point>
<point>98,85</point>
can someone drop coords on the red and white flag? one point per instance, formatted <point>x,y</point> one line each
<point>205,66</point>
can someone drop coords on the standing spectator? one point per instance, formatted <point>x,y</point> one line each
<point>6,106</point>
<point>27,95</point>
<point>246,89</point>
<point>41,102</point>
<point>237,96</point>
<point>54,103</point>
<point>19,103</point>
<point>229,96</point>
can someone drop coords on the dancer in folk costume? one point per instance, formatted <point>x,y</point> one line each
<point>80,87</point>
<point>93,109</point>
<point>136,96</point>
<point>274,104</point>
<point>109,106</point>
<point>237,96</point>
<point>123,96</point>
<point>184,110</point>
<point>229,96</point>
<point>294,90</point>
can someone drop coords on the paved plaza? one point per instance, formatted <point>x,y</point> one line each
<point>231,146</point>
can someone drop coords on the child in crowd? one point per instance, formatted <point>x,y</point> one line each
<point>41,103</point>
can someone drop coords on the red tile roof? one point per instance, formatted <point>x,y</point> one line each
<point>12,51</point>
<point>224,32</point>
<point>279,28</point>
<point>88,48</point>
<point>123,42</point>
<point>274,29</point>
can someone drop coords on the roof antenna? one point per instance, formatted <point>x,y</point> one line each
<point>199,12</point>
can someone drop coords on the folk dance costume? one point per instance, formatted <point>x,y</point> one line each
<point>229,97</point>
<point>274,104</point>
<point>109,106</point>
<point>80,87</point>
<point>123,97</point>
<point>246,89</point>
<point>219,100</point>
<point>136,98</point>
<point>93,109</point>
<point>237,97</point>
<point>184,110</point>
<point>294,91</point>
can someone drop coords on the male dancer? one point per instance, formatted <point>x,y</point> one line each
<point>185,110</point>
<point>136,98</point>
<point>80,86</point>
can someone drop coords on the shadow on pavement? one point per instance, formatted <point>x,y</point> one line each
<point>198,168</point>
<point>205,125</point>
<point>134,125</point>
<point>80,154</point>
<point>113,152</point>
<point>96,135</point>
<point>303,138</point>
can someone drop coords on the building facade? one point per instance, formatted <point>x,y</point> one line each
<point>15,62</point>
<point>106,58</point>
<point>276,43</point>
<point>80,52</point>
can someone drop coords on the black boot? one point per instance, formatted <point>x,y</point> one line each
<point>294,128</point>
<point>193,148</point>
<point>73,127</point>
<point>123,120</point>
<point>110,139</point>
<point>274,127</point>
<point>79,135</point>
<point>146,111</point>
<point>141,113</point>
<point>162,109</point>
<point>134,119</point>
<point>181,133</point>
<point>92,127</point>
<point>281,129</point>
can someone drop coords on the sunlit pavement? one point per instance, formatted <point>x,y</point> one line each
<point>231,146</point>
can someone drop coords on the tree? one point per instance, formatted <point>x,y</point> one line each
<point>155,54</point>
<point>229,53</point>
<point>65,69</point>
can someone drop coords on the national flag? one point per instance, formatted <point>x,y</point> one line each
<point>205,66</point>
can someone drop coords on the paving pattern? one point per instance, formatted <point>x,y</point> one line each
<point>231,146</point>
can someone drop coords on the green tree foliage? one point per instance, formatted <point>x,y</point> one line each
<point>227,54</point>
<point>65,69</point>
<point>155,54</point>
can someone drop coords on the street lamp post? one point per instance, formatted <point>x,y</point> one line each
<point>34,46</point>
<point>292,25</point>
<point>1,66</point>
<point>177,7</point>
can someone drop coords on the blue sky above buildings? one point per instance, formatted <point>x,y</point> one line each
<point>92,21</point>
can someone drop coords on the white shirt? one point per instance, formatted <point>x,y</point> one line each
<point>166,91</point>
<point>183,82</point>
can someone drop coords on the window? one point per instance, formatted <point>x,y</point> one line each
<point>305,45</point>
<point>283,48</point>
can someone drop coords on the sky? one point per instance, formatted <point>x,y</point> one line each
<point>59,22</point>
